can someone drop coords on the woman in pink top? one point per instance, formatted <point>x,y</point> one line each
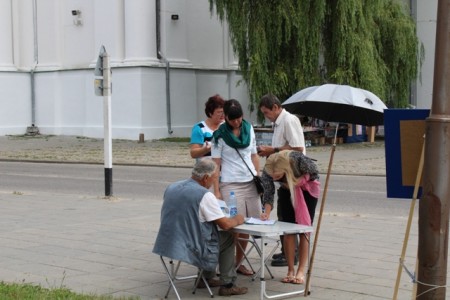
<point>299,174</point>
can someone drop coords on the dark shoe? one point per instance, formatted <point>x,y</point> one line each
<point>234,290</point>
<point>211,282</point>
<point>282,262</point>
<point>277,256</point>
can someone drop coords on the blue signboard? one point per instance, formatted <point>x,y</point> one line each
<point>404,131</point>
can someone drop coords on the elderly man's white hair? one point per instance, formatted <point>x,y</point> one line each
<point>204,167</point>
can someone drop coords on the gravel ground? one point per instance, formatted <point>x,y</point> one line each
<point>355,158</point>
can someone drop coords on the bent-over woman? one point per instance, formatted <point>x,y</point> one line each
<point>298,174</point>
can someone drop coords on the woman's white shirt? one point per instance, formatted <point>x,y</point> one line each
<point>233,168</point>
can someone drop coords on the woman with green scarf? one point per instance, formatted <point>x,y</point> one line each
<point>234,148</point>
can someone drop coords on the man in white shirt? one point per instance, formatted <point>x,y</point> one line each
<point>287,130</point>
<point>287,135</point>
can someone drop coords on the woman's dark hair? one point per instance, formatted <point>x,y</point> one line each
<point>232,109</point>
<point>213,103</point>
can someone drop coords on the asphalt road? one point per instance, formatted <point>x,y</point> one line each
<point>346,193</point>
<point>57,228</point>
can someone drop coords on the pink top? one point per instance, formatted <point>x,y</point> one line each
<point>301,210</point>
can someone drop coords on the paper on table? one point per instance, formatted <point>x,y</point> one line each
<point>257,221</point>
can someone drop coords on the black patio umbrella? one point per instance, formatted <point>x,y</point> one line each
<point>337,103</point>
<point>334,103</point>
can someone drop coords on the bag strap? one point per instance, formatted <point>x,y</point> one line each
<point>244,162</point>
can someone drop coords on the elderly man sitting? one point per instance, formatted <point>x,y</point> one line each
<point>189,218</point>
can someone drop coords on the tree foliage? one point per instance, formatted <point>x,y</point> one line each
<point>286,45</point>
<point>277,42</point>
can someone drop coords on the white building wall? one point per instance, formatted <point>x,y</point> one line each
<point>6,49</point>
<point>22,33</point>
<point>14,102</point>
<point>140,45</point>
<point>50,37</point>
<point>175,33</point>
<point>196,45</point>
<point>426,16</point>
<point>109,30</point>
<point>78,47</point>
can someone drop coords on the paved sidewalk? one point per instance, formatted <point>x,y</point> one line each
<point>358,158</point>
<point>61,240</point>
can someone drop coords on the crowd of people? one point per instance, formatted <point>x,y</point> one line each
<point>227,159</point>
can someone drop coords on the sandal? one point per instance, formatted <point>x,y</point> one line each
<point>244,271</point>
<point>288,279</point>
<point>298,280</point>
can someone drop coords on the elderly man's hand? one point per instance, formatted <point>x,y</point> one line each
<point>240,219</point>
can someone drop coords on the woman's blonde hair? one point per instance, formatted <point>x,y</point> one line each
<point>280,162</point>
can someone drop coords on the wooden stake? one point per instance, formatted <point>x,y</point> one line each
<point>322,205</point>
<point>408,226</point>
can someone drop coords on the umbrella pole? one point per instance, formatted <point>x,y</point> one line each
<point>322,204</point>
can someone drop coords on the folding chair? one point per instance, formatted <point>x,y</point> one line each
<point>172,274</point>
<point>254,242</point>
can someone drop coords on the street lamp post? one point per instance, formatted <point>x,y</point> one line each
<point>434,204</point>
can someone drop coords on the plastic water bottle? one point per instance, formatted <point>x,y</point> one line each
<point>232,205</point>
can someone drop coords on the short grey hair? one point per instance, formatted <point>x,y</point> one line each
<point>204,167</point>
<point>269,101</point>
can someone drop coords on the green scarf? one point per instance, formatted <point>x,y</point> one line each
<point>226,133</point>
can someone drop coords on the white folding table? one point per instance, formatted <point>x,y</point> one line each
<point>263,231</point>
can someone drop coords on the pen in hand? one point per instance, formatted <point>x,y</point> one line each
<point>264,216</point>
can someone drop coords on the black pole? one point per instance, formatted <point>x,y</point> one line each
<point>108,182</point>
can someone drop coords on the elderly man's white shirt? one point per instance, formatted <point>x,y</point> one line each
<point>209,208</point>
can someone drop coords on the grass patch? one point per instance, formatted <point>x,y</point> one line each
<point>15,291</point>
<point>30,137</point>
<point>176,139</point>
<point>85,138</point>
